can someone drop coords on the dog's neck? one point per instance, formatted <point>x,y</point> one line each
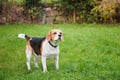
<point>53,43</point>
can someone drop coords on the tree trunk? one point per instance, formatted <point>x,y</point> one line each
<point>74,16</point>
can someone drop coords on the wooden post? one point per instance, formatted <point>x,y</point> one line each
<point>74,16</point>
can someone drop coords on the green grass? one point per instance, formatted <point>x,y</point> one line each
<point>89,52</point>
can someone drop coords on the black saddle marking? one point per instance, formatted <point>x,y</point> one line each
<point>36,44</point>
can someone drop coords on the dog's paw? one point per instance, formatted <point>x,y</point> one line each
<point>45,71</point>
<point>36,66</point>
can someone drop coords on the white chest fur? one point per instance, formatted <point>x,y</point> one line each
<point>48,50</point>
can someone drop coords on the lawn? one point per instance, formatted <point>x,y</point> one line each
<point>89,52</point>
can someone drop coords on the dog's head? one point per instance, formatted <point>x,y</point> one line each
<point>55,35</point>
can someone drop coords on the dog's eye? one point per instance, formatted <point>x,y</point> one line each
<point>54,33</point>
<point>60,33</point>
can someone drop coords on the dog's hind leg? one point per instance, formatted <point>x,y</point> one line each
<point>28,56</point>
<point>36,61</point>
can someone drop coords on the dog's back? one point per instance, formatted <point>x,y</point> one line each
<point>36,44</point>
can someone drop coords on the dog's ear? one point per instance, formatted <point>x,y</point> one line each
<point>62,38</point>
<point>49,36</point>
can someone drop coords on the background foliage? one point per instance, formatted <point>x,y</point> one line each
<point>74,11</point>
<point>100,11</point>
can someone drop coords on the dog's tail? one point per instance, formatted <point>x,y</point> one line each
<point>24,36</point>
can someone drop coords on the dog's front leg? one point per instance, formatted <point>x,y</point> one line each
<point>43,59</point>
<point>57,62</point>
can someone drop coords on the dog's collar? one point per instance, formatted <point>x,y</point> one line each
<point>52,44</point>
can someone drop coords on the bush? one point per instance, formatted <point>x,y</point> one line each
<point>10,12</point>
<point>105,12</point>
<point>117,15</point>
<point>32,9</point>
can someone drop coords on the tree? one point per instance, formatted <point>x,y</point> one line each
<point>78,6</point>
<point>3,1</point>
<point>32,9</point>
<point>70,6</point>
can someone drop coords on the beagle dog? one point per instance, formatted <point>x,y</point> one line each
<point>46,47</point>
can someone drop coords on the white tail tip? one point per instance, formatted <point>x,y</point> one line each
<point>21,36</point>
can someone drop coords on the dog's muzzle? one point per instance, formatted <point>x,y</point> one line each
<point>59,37</point>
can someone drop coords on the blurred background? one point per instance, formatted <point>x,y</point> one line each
<point>59,11</point>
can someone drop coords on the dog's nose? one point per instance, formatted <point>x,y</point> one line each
<point>60,35</point>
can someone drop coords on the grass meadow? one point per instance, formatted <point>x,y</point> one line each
<point>89,52</point>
